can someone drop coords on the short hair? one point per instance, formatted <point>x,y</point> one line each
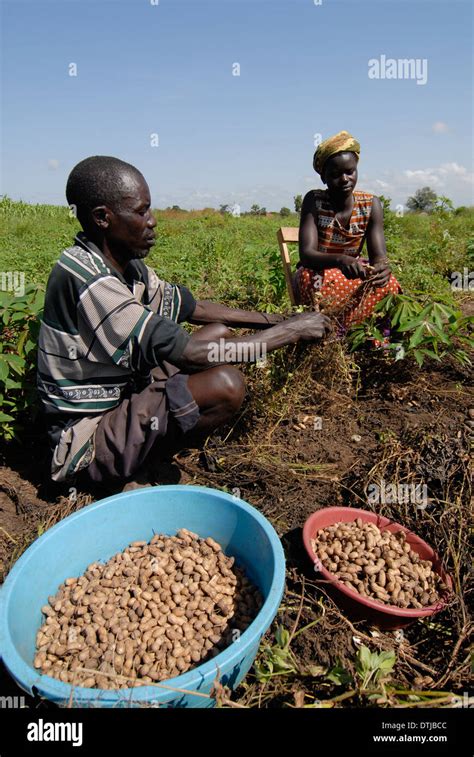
<point>98,180</point>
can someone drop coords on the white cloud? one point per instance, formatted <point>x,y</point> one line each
<point>456,170</point>
<point>382,184</point>
<point>53,164</point>
<point>439,127</point>
<point>425,176</point>
<point>449,179</point>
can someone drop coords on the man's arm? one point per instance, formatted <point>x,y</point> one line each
<point>199,353</point>
<point>207,311</point>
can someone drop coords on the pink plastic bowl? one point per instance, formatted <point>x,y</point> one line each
<point>387,617</point>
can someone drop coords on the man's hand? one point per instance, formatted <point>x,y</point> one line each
<point>352,269</point>
<point>381,274</point>
<point>308,327</point>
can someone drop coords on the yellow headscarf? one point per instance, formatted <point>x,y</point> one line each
<point>341,142</point>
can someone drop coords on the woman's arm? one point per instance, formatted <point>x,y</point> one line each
<point>376,248</point>
<point>308,247</point>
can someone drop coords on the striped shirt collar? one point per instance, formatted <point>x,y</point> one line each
<point>82,241</point>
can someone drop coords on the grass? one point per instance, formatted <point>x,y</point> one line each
<point>236,260</point>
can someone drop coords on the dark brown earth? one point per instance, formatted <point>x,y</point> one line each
<point>378,420</point>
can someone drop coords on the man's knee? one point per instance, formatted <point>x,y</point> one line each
<point>229,384</point>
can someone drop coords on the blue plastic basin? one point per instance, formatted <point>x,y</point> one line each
<point>99,531</point>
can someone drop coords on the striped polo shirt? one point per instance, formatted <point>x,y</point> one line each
<point>101,334</point>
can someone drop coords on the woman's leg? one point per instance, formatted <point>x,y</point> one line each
<point>352,300</point>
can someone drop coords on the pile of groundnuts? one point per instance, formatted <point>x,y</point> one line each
<point>379,565</point>
<point>152,612</point>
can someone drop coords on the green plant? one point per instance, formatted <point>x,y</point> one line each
<point>298,201</point>
<point>433,330</point>
<point>372,667</point>
<point>276,660</point>
<point>470,250</point>
<point>443,206</point>
<point>339,675</point>
<point>19,325</point>
<point>422,201</point>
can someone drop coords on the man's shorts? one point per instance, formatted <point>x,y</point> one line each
<point>160,414</point>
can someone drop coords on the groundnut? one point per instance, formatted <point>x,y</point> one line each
<point>128,617</point>
<point>370,570</point>
<point>39,660</point>
<point>188,567</point>
<point>393,572</point>
<point>396,591</point>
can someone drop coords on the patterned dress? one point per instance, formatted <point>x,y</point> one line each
<point>351,300</point>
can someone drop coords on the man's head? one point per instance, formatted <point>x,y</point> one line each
<point>112,203</point>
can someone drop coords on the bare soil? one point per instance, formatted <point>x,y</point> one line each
<point>315,431</point>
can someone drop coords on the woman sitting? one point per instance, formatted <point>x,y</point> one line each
<point>334,224</point>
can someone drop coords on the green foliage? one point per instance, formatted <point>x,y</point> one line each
<point>443,206</point>
<point>262,268</point>
<point>424,200</point>
<point>422,330</point>
<point>339,675</point>
<point>298,200</point>
<point>208,251</point>
<point>391,222</point>
<point>19,325</point>
<point>372,667</point>
<point>470,251</point>
<point>284,212</point>
<point>256,210</point>
<point>276,660</point>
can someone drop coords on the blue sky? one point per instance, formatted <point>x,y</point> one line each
<point>167,69</point>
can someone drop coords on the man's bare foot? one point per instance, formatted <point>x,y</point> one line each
<point>140,480</point>
<point>131,485</point>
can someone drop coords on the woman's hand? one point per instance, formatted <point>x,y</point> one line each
<point>381,274</point>
<point>352,269</point>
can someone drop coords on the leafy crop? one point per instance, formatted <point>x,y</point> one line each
<point>422,330</point>
<point>19,326</point>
